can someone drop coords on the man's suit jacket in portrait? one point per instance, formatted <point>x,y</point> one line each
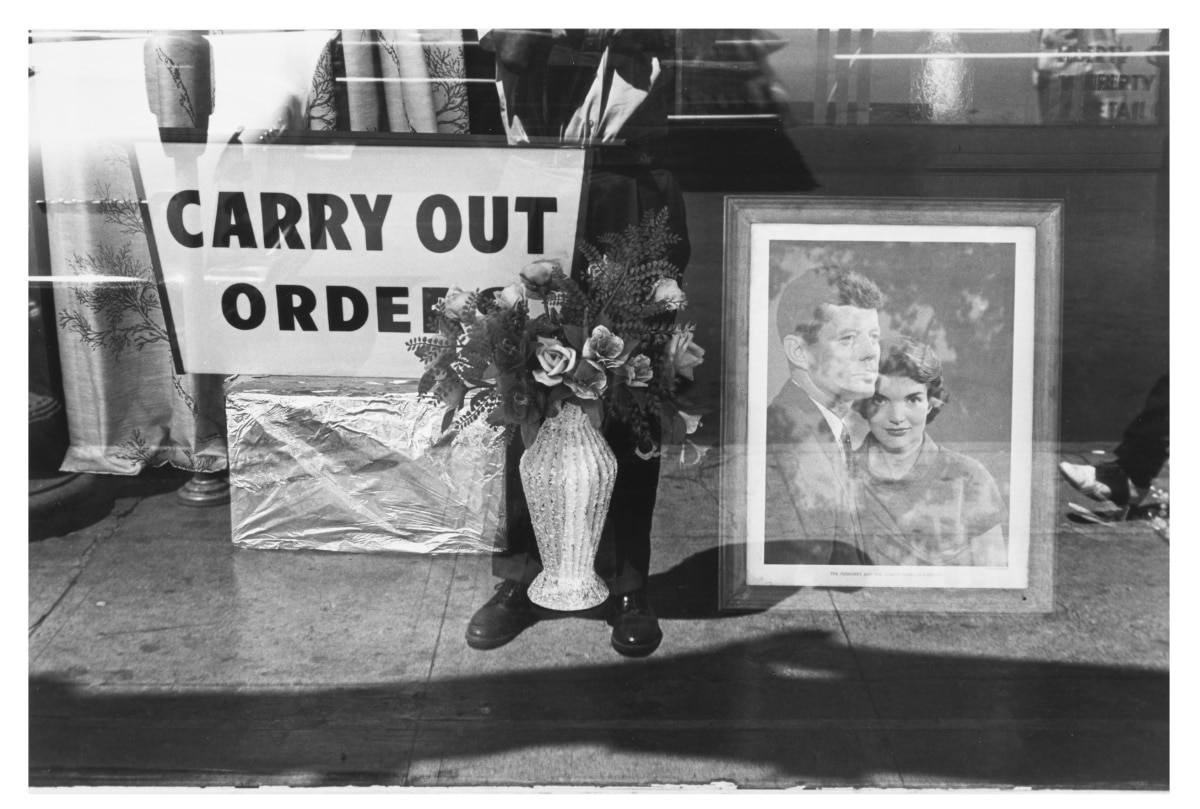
<point>810,511</point>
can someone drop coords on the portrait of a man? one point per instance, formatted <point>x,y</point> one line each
<point>828,326</point>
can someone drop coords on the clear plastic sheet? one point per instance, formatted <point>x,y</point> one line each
<point>346,464</point>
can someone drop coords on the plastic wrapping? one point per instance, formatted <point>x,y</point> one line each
<point>341,464</point>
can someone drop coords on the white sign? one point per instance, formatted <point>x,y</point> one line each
<point>325,258</point>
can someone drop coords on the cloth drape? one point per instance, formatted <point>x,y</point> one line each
<point>126,407</point>
<point>381,80</point>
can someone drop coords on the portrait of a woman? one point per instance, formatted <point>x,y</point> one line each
<point>920,503</point>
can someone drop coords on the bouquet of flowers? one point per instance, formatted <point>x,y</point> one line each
<point>607,342</point>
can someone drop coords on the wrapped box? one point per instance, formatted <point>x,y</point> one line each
<point>343,464</point>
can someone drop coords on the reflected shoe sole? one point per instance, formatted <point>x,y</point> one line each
<point>643,649</point>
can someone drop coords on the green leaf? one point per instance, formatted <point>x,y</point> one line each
<point>559,393</point>
<point>575,335</point>
<point>594,411</point>
<point>529,433</point>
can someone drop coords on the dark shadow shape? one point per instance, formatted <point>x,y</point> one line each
<point>689,589</point>
<point>91,504</point>
<point>80,502</point>
<point>801,707</point>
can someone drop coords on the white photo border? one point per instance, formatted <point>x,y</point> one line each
<point>1015,573</point>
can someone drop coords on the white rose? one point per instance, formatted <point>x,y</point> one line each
<point>555,358</point>
<point>511,295</point>
<point>537,275</point>
<point>667,292</point>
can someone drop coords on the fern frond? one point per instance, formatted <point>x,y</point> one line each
<point>481,405</point>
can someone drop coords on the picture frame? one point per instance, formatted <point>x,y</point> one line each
<point>979,283</point>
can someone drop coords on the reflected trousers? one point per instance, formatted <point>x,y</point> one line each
<point>616,198</point>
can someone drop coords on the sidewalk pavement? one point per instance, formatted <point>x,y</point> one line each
<point>159,654</point>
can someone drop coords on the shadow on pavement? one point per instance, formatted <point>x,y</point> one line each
<point>87,505</point>
<point>795,707</point>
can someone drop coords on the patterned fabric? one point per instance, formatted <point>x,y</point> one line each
<point>390,81</point>
<point>126,407</point>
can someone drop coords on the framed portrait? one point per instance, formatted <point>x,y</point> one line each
<point>890,420</point>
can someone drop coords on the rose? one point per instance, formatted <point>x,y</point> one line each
<point>519,403</point>
<point>510,296</point>
<point>589,380</point>
<point>683,354</point>
<point>555,360</point>
<point>604,347</point>
<point>537,276</point>
<point>637,372</point>
<point>667,292</point>
<point>455,304</point>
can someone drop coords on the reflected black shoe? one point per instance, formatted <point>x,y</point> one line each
<point>635,626</point>
<point>507,614</point>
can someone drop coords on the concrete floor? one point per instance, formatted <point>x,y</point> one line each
<point>161,655</point>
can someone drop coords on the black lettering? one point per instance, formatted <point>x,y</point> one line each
<point>336,296</point>
<point>425,224</point>
<point>293,311</point>
<point>233,219</point>
<point>536,208</point>
<point>475,214</point>
<point>274,225</point>
<point>229,307</point>
<point>388,308</point>
<point>175,218</point>
<point>326,215</point>
<point>372,218</point>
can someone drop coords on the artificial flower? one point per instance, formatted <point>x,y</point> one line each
<point>555,360</point>
<point>511,295</point>
<point>589,380</point>
<point>604,347</point>
<point>519,403</point>
<point>684,355</point>
<point>637,372</point>
<point>505,356</point>
<point>537,275</point>
<point>667,292</point>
